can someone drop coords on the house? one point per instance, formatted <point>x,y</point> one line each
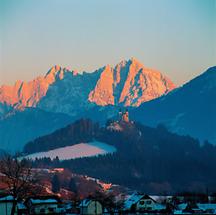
<point>71,207</point>
<point>142,202</point>
<point>21,209</point>
<point>180,208</point>
<point>207,207</point>
<point>90,207</point>
<point>192,208</point>
<point>6,203</point>
<point>124,116</point>
<point>44,205</point>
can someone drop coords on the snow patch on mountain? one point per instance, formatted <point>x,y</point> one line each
<point>76,151</point>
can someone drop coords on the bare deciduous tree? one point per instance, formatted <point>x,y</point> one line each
<point>19,178</point>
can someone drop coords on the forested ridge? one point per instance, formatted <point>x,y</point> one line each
<point>148,159</point>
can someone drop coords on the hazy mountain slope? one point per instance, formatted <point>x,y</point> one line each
<point>4,109</point>
<point>23,126</point>
<point>190,109</point>
<point>70,95</point>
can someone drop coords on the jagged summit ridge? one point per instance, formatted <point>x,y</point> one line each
<point>129,83</point>
<point>28,94</point>
<point>59,72</point>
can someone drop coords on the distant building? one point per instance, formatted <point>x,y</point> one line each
<point>56,170</point>
<point>44,205</point>
<point>142,202</point>
<point>93,207</point>
<point>124,116</point>
<point>207,207</point>
<point>196,208</point>
<point>21,209</point>
<point>6,204</point>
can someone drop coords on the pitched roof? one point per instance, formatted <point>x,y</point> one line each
<point>206,206</point>
<point>7,198</point>
<point>44,200</point>
<point>134,198</point>
<point>182,206</point>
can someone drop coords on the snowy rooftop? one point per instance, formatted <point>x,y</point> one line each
<point>206,206</point>
<point>159,198</point>
<point>21,206</point>
<point>182,206</point>
<point>133,199</point>
<point>44,201</point>
<point>6,198</point>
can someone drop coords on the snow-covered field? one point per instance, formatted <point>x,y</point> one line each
<point>76,151</point>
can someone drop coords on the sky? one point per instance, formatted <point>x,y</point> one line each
<point>176,37</point>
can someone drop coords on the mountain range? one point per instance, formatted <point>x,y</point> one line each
<point>186,110</point>
<point>35,108</point>
<point>129,83</point>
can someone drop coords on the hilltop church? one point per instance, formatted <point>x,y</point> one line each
<point>123,116</point>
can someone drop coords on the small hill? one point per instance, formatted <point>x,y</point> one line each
<point>149,159</point>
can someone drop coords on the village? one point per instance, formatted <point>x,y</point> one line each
<point>136,203</point>
<point>91,196</point>
<point>22,194</point>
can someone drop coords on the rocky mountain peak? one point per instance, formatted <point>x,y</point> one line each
<point>57,72</point>
<point>103,91</point>
<point>129,83</point>
<point>28,94</point>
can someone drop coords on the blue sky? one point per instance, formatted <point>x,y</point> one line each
<point>177,37</point>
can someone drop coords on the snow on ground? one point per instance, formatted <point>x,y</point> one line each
<point>76,151</point>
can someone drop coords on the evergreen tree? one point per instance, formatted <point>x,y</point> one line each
<point>55,184</point>
<point>73,186</point>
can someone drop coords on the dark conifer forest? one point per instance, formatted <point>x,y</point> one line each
<point>148,159</point>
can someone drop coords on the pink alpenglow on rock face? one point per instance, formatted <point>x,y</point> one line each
<point>28,94</point>
<point>103,91</point>
<point>129,83</point>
